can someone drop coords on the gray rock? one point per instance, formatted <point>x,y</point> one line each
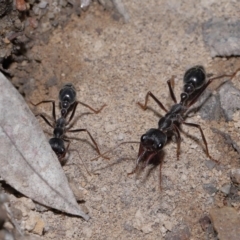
<point>179,232</point>
<point>5,235</point>
<point>205,223</point>
<point>85,4</point>
<point>43,4</point>
<point>210,188</point>
<point>222,36</point>
<point>40,208</point>
<point>50,15</point>
<point>3,198</point>
<point>225,188</point>
<point>235,175</point>
<point>106,4</point>
<point>210,164</point>
<point>36,10</point>
<point>211,108</point>
<point>63,3</point>
<point>226,222</point>
<point>229,99</point>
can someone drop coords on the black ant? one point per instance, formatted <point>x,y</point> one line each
<point>68,103</point>
<point>153,141</point>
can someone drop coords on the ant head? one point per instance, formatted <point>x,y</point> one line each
<point>57,145</point>
<point>194,78</point>
<point>153,140</point>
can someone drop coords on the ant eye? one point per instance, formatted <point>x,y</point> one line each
<point>159,146</point>
<point>143,138</point>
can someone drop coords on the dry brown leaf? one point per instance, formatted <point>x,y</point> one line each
<point>27,161</point>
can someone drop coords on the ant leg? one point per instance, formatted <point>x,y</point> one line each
<point>61,158</point>
<point>95,111</point>
<point>149,159</point>
<point>67,140</point>
<point>210,81</point>
<point>110,150</point>
<point>144,107</point>
<point>53,107</point>
<point>89,134</point>
<point>45,119</point>
<point>170,82</point>
<point>203,138</point>
<point>75,107</point>
<point>160,176</point>
<point>73,113</point>
<point>140,157</point>
<point>134,170</point>
<point>141,153</point>
<point>178,138</point>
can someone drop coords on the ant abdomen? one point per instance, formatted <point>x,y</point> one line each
<point>194,78</point>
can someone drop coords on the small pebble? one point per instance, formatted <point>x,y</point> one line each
<point>235,175</point>
<point>229,98</point>
<point>36,10</point>
<point>39,227</point>
<point>138,221</point>
<point>225,188</point>
<point>63,3</point>
<point>79,195</point>
<point>163,230</point>
<point>43,4</point>
<point>168,225</point>
<point>50,15</point>
<point>31,221</point>
<point>210,164</point>
<point>209,188</point>
<point>226,222</point>
<point>85,4</point>
<point>179,232</point>
<point>205,223</point>
<point>87,232</point>
<point>147,228</point>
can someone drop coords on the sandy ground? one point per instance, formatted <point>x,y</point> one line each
<point>116,63</point>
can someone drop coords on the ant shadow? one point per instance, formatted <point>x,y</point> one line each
<point>76,119</point>
<point>82,140</point>
<point>70,160</point>
<point>156,113</point>
<point>194,139</point>
<point>153,164</point>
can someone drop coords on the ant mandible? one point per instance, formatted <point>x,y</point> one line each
<point>153,141</point>
<point>68,103</point>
